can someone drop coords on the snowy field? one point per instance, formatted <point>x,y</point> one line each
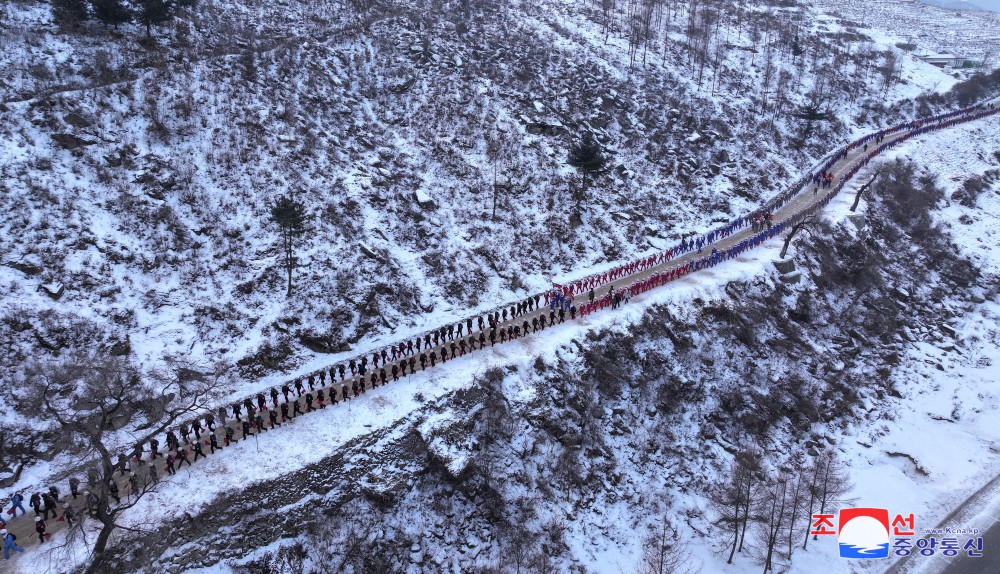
<point>933,30</point>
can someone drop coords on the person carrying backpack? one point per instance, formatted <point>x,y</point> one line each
<point>50,505</point>
<point>9,543</point>
<point>16,503</point>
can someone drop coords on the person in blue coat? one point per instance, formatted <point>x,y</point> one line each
<point>9,544</point>
<point>16,502</point>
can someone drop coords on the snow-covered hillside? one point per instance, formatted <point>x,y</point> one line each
<point>134,201</point>
<point>561,452</point>
<point>143,189</point>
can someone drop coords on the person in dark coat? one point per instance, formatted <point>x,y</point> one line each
<point>49,504</point>
<point>40,529</point>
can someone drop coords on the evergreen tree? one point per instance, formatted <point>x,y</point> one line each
<point>69,13</point>
<point>151,13</point>
<point>811,113</point>
<point>587,157</point>
<point>111,12</point>
<point>290,216</point>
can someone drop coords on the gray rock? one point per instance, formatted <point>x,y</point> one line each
<point>28,269</point>
<point>53,290</point>
<point>70,141</point>
<point>423,200</point>
<point>371,253</point>
<point>76,120</point>
<point>784,265</point>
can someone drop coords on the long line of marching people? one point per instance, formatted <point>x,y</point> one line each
<point>348,379</point>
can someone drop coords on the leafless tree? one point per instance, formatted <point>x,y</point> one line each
<point>102,409</point>
<point>661,554</point>
<point>798,488</point>
<point>772,511</point>
<point>828,483</point>
<point>864,188</point>
<point>804,224</point>
<point>733,498</point>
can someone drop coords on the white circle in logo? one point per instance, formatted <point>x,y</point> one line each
<point>864,531</point>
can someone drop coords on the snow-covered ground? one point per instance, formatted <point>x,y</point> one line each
<point>948,419</point>
<point>144,261</point>
<point>930,29</point>
<point>945,420</point>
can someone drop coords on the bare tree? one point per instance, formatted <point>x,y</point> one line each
<point>772,511</point>
<point>518,548</point>
<point>797,490</point>
<point>733,498</point>
<point>864,188</point>
<point>499,150</point>
<point>804,224</point>
<point>101,409</point>
<point>828,483</point>
<point>661,554</point>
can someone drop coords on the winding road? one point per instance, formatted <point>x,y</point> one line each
<point>793,205</point>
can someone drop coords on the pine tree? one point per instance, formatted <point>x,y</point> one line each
<point>290,216</point>
<point>151,13</point>
<point>587,157</point>
<point>811,113</point>
<point>111,12</point>
<point>69,13</point>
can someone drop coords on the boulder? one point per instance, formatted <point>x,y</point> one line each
<point>423,200</point>
<point>371,253</point>
<point>70,141</point>
<point>28,269</point>
<point>121,348</point>
<point>77,121</point>
<point>784,265</point>
<point>657,242</point>
<point>54,289</point>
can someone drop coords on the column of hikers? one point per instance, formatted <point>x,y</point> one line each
<point>343,381</point>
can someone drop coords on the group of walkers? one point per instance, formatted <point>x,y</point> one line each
<point>46,506</point>
<point>348,379</point>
